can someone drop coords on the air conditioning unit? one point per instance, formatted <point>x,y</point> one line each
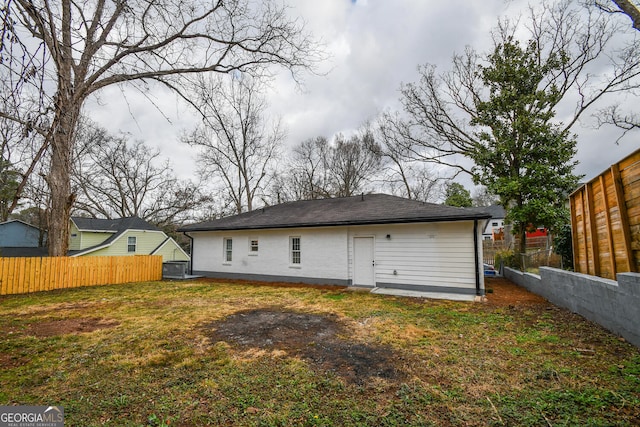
<point>175,269</point>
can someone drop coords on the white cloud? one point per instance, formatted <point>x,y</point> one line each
<point>375,46</point>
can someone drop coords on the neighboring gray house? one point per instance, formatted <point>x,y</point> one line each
<point>375,241</point>
<point>18,234</point>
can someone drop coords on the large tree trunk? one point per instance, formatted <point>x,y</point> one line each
<point>62,140</point>
<point>59,180</point>
<point>523,243</point>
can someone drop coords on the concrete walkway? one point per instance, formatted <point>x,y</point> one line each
<point>416,294</point>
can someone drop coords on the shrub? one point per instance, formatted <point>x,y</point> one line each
<point>564,246</point>
<point>507,258</point>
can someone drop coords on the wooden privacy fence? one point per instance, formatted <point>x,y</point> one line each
<point>605,221</point>
<point>26,275</point>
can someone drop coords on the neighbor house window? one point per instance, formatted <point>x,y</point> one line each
<point>253,246</point>
<point>131,244</point>
<point>295,250</point>
<point>228,249</point>
<point>494,224</point>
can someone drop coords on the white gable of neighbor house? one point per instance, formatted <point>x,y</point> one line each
<point>494,225</point>
<point>428,255</point>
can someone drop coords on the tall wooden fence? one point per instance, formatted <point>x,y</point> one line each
<point>605,221</point>
<point>26,275</point>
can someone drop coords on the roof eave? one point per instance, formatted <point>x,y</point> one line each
<point>339,223</point>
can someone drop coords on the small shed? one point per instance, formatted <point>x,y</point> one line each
<point>605,221</point>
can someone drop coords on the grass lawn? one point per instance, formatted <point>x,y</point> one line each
<point>210,353</point>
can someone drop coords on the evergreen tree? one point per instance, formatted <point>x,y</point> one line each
<point>522,156</point>
<point>457,195</point>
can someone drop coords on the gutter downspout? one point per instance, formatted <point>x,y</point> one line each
<point>190,252</point>
<point>479,292</point>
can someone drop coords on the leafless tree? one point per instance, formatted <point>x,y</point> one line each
<point>627,7</point>
<point>20,155</point>
<point>403,174</point>
<point>320,168</point>
<point>441,106</point>
<point>116,178</point>
<point>482,197</point>
<point>353,163</point>
<point>614,114</point>
<point>307,173</point>
<point>36,200</point>
<point>55,54</point>
<point>239,146</point>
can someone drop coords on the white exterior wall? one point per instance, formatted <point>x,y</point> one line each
<point>429,254</point>
<point>323,253</point>
<point>433,255</point>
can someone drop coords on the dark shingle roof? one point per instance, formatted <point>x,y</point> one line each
<point>13,252</point>
<point>112,225</point>
<point>356,210</point>
<point>496,211</point>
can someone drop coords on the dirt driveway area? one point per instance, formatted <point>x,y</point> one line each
<point>502,292</point>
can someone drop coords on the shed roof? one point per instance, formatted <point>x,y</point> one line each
<point>355,210</point>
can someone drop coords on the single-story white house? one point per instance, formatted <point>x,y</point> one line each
<point>376,241</point>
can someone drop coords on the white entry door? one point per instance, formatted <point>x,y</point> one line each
<point>363,262</point>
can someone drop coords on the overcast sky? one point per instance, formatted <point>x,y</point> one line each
<point>375,45</point>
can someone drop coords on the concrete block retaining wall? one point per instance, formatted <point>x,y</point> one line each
<point>614,305</point>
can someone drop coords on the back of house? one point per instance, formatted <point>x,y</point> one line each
<point>376,241</point>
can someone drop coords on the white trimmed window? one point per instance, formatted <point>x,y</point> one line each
<point>228,250</point>
<point>296,257</point>
<point>131,244</point>
<point>253,246</point>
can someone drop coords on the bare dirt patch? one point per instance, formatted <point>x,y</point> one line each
<point>312,337</point>
<point>507,293</point>
<point>54,327</point>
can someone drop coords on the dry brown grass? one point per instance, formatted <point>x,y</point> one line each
<point>155,353</point>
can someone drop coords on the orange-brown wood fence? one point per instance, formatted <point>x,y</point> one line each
<point>26,275</point>
<point>605,221</point>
